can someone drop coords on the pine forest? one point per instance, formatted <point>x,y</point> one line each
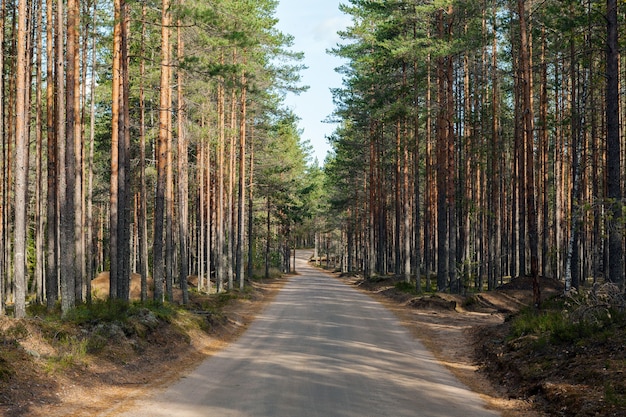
<point>157,191</point>
<point>480,141</point>
<point>476,141</point>
<point>146,138</point>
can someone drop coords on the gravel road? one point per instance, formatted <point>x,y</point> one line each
<point>321,348</point>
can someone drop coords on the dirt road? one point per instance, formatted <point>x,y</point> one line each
<point>320,349</point>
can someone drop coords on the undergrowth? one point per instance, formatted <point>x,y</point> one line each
<point>572,319</point>
<point>96,327</point>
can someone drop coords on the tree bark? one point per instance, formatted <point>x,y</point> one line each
<point>164,107</point>
<point>65,133</point>
<point>529,147</point>
<point>52,277</point>
<point>77,146</point>
<point>21,163</point>
<point>183,179</point>
<point>241,185</point>
<point>90,162</point>
<point>114,199</point>
<point>613,164</point>
<point>39,217</point>
<point>143,192</point>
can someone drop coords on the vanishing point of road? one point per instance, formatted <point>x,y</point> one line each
<point>324,349</point>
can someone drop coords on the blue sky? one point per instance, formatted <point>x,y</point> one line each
<point>314,25</point>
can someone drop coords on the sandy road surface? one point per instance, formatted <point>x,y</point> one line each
<point>321,349</point>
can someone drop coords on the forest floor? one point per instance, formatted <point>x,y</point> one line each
<point>87,368</point>
<point>99,367</point>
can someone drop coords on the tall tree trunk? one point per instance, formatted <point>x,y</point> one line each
<point>496,152</point>
<point>164,106</point>
<point>242,181</point>
<point>231,212</point>
<point>169,201</point>
<point>250,208</point>
<point>125,193</point>
<point>443,172</point>
<point>529,147</point>
<point>77,146</point>
<point>200,216</point>
<point>21,162</point>
<point>267,239</point>
<point>219,255</point>
<point>451,166</point>
<point>90,162</point>
<point>613,163</point>
<point>572,275</point>
<point>39,217</point>
<point>544,151</point>
<point>398,201</point>
<point>114,197</point>
<point>65,133</point>
<point>429,183</point>
<point>52,276</point>
<point>407,212</point>
<point>143,192</point>
<point>417,253</point>
<point>183,179</point>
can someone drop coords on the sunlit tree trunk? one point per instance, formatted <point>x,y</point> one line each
<point>21,162</point>
<point>114,197</point>
<point>241,185</point>
<point>164,106</point>
<point>169,200</point>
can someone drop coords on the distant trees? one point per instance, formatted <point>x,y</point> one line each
<point>480,123</point>
<point>171,93</point>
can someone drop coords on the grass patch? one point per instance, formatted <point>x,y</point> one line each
<point>259,274</point>
<point>109,311</point>
<point>555,324</point>
<point>72,352</point>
